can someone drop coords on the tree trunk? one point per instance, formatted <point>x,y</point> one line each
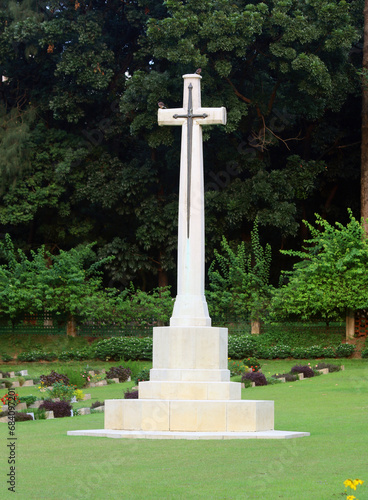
<point>350,324</point>
<point>364,146</point>
<point>71,327</point>
<point>255,327</point>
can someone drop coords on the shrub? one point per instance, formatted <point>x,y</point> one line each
<point>14,398</point>
<point>365,353</point>
<point>344,350</point>
<point>143,376</point>
<point>7,383</point>
<point>119,372</point>
<point>256,377</point>
<point>60,408</point>
<point>131,394</point>
<point>236,367</point>
<point>49,356</point>
<point>306,370</point>
<point>31,356</point>
<point>117,348</point>
<point>241,346</point>
<point>96,404</point>
<point>74,376</point>
<point>21,381</point>
<point>54,377</point>
<point>79,394</point>
<point>289,377</point>
<point>22,417</point>
<point>252,363</point>
<point>39,413</point>
<point>29,400</point>
<point>331,368</point>
<point>61,391</point>
<point>66,356</point>
<point>6,357</point>
<point>299,353</point>
<point>328,352</point>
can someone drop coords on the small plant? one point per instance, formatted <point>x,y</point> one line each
<point>98,377</point>
<point>352,483</point>
<point>21,381</point>
<point>7,383</point>
<point>39,413</point>
<point>53,377</point>
<point>22,417</point>
<point>129,394</point>
<point>344,350</point>
<point>6,357</point>
<point>252,363</point>
<point>331,368</point>
<point>29,400</point>
<point>14,398</point>
<point>61,391</point>
<point>96,404</point>
<point>306,370</point>
<point>119,372</point>
<point>256,377</point>
<point>60,408</point>
<point>79,394</point>
<point>236,367</point>
<point>142,376</point>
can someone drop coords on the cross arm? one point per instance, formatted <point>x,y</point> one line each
<point>214,116</point>
<point>166,116</point>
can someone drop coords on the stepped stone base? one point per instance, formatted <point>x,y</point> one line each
<point>189,415</point>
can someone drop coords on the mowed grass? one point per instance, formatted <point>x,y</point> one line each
<point>333,408</point>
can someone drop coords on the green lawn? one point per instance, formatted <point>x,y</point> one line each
<point>333,408</point>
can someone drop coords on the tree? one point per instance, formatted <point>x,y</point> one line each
<point>239,281</point>
<point>331,276</point>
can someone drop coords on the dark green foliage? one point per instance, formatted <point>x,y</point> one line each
<point>344,350</point>
<point>130,394</point>
<point>256,377</point>
<point>6,357</point>
<point>124,348</point>
<point>142,376</point>
<point>60,408</point>
<point>54,377</point>
<point>239,280</point>
<point>365,353</point>
<point>304,369</point>
<point>8,383</point>
<point>31,356</point>
<point>331,367</point>
<point>119,372</point>
<point>28,399</point>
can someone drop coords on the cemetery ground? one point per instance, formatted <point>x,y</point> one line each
<point>333,408</point>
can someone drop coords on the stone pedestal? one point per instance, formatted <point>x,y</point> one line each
<point>189,389</point>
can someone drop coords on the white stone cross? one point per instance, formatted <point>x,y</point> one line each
<point>190,307</point>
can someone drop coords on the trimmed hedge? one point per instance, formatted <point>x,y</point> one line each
<point>118,348</point>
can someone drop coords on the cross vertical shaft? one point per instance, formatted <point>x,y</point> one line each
<point>190,307</point>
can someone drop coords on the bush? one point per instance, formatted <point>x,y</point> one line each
<point>6,357</point>
<point>365,353</point>
<point>235,367</point>
<point>117,348</point>
<point>96,404</point>
<point>74,376</point>
<point>49,356</point>
<point>299,353</point>
<point>331,368</point>
<point>131,394</point>
<point>8,383</point>
<point>29,400</point>
<point>241,346</point>
<point>304,369</point>
<point>252,363</point>
<point>22,417</point>
<point>29,356</point>
<point>119,372</point>
<point>54,377</point>
<point>328,352</point>
<point>143,376</point>
<point>344,350</point>
<point>256,377</point>
<point>61,391</point>
<point>60,408</point>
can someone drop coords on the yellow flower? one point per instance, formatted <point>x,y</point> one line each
<point>358,481</point>
<point>350,483</point>
<point>350,497</point>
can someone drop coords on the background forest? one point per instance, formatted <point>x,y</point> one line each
<point>83,160</point>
